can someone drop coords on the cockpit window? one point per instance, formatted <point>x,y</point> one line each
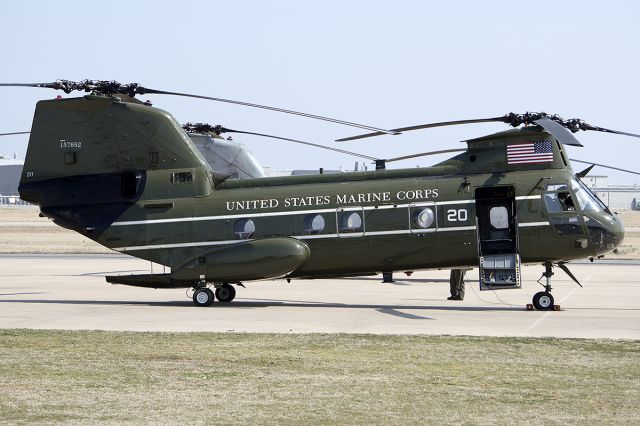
<point>557,187</point>
<point>558,199</point>
<point>587,199</point>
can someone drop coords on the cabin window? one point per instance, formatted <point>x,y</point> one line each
<point>313,224</point>
<point>423,218</point>
<point>243,229</point>
<point>350,222</point>
<point>182,177</point>
<point>499,217</point>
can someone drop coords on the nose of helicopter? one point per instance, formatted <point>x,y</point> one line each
<point>613,234</point>
<point>605,230</point>
<point>618,231</point>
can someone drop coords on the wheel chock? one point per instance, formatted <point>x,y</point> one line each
<point>531,308</point>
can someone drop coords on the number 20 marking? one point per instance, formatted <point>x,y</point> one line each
<point>454,215</point>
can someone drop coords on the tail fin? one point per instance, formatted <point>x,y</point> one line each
<point>90,158</point>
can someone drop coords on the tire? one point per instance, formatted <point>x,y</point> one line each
<point>203,297</point>
<point>225,293</point>
<point>543,301</point>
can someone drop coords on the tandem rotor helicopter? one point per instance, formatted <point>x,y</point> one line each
<point>128,176</point>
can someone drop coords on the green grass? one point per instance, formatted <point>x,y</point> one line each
<point>88,377</point>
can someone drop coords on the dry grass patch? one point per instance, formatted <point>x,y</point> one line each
<point>50,376</point>
<point>630,247</point>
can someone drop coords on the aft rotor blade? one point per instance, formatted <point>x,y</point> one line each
<point>14,133</point>
<point>605,166</point>
<point>423,126</point>
<point>424,154</point>
<point>269,108</point>
<point>132,89</point>
<point>342,151</point>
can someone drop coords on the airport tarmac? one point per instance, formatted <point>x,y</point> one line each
<point>69,292</point>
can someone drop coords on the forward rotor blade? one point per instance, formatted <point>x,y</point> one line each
<point>342,151</point>
<point>424,154</point>
<point>605,166</point>
<point>46,85</point>
<point>399,130</point>
<point>555,124</point>
<point>617,132</point>
<point>14,133</point>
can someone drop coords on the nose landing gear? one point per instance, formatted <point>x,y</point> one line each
<point>543,300</point>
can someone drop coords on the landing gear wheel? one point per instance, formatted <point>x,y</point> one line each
<point>203,297</point>
<point>543,301</point>
<point>225,293</point>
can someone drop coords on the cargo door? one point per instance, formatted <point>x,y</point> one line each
<point>499,259</point>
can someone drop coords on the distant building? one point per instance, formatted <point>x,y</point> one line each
<point>617,197</point>
<point>10,170</point>
<point>620,197</point>
<point>595,181</point>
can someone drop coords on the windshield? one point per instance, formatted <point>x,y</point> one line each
<point>586,199</point>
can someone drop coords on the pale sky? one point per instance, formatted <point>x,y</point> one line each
<point>387,64</point>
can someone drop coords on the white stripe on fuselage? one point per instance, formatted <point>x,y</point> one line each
<point>284,213</point>
<point>528,224</point>
<point>310,237</point>
<point>316,237</point>
<point>295,212</point>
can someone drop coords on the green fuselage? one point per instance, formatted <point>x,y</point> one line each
<point>388,240</point>
<point>129,177</point>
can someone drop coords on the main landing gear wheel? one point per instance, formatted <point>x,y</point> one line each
<point>225,293</point>
<point>203,297</point>
<point>543,301</point>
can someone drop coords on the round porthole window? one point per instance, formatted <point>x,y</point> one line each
<point>244,229</point>
<point>423,218</point>
<point>350,222</point>
<point>313,224</point>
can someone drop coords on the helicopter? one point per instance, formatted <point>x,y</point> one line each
<point>127,175</point>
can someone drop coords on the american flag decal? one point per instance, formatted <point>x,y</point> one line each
<point>530,153</point>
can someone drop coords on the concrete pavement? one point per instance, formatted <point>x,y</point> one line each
<point>69,292</point>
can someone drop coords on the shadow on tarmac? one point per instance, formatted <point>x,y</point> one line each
<point>400,281</point>
<point>387,309</point>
